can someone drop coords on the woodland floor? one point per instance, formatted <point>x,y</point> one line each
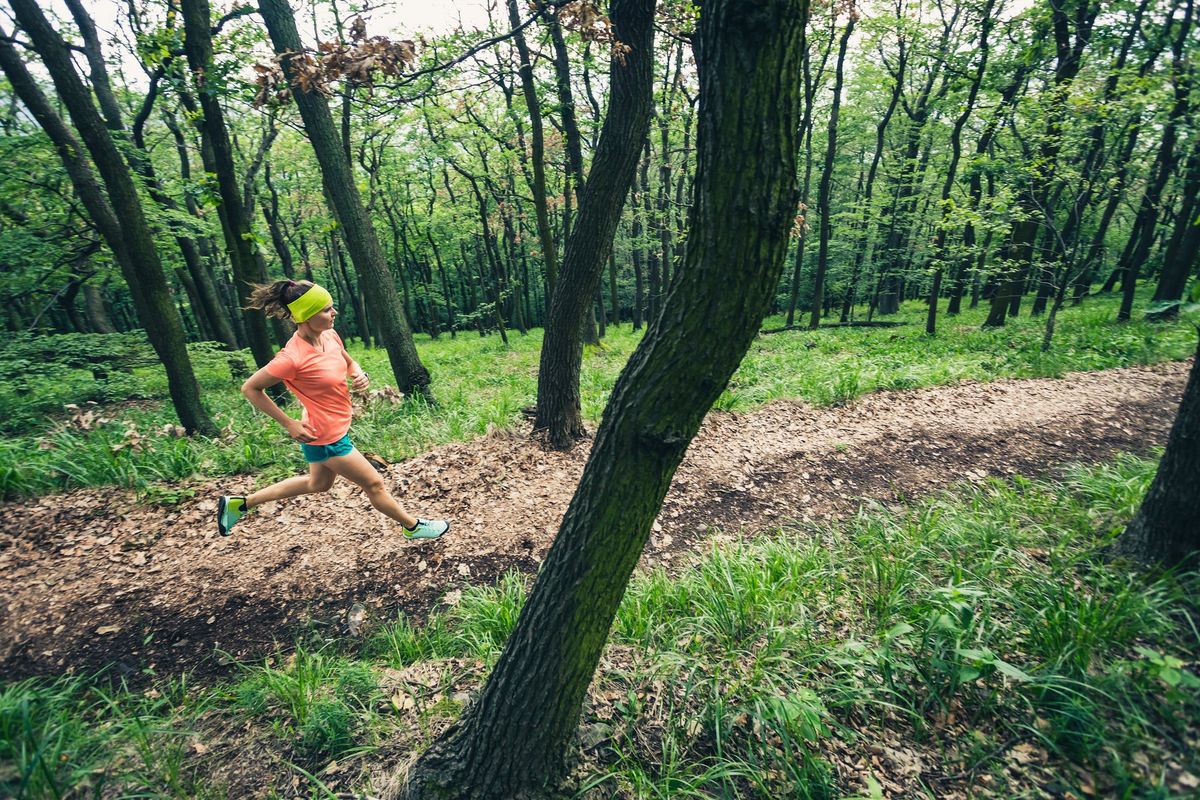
<point>92,578</point>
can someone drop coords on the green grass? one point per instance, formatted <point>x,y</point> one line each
<point>965,629</point>
<point>481,386</point>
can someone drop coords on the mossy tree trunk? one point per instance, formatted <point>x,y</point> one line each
<point>513,741</point>
<point>1166,529</point>
<point>587,250</point>
<point>129,234</point>
<point>375,280</point>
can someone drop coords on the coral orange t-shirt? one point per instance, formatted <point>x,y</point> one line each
<point>318,379</point>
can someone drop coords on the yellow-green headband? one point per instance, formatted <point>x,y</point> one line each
<point>311,302</point>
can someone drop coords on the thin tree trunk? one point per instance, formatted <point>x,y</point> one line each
<point>613,168</point>
<point>952,169</point>
<point>538,154</point>
<point>826,183</point>
<point>248,266</point>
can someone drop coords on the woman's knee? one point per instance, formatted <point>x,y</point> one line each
<point>376,491</point>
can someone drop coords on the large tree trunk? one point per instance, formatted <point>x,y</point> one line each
<point>1166,529</point>
<point>375,281</point>
<point>131,240</point>
<point>613,167</point>
<point>513,740</point>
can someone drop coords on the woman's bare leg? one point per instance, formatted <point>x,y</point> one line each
<point>356,469</point>
<point>318,479</point>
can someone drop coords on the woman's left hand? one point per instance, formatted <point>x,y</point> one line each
<point>360,382</point>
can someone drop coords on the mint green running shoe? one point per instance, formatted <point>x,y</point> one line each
<point>229,510</point>
<point>427,529</point>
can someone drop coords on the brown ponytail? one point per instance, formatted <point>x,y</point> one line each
<point>273,298</point>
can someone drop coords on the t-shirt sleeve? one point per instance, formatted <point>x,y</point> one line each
<point>282,366</point>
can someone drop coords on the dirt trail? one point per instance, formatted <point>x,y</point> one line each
<point>90,578</point>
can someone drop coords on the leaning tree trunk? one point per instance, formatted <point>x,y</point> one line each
<point>375,280</point>
<point>513,740</point>
<point>625,129</point>
<point>1166,529</point>
<point>132,241</point>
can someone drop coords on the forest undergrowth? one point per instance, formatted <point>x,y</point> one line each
<point>66,429</point>
<point>976,643</point>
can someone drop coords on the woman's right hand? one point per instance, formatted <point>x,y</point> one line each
<point>299,431</point>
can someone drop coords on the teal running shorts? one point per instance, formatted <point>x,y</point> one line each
<point>316,453</point>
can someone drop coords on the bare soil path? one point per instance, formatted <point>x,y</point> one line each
<point>90,578</point>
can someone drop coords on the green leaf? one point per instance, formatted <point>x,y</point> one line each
<point>1014,673</point>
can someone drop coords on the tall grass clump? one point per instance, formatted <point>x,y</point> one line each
<point>82,737</point>
<point>320,700</point>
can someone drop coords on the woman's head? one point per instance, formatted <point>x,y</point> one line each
<point>297,301</point>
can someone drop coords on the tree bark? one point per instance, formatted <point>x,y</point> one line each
<point>1166,528</point>
<point>375,281</point>
<point>131,240</point>
<point>513,741</point>
<point>613,166</point>
<point>97,314</point>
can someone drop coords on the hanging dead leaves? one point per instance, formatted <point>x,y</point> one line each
<point>585,18</point>
<point>357,62</point>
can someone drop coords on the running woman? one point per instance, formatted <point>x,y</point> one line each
<point>314,366</point>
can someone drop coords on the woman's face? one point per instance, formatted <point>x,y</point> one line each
<point>323,319</point>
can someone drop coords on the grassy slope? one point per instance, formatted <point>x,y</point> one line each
<point>480,385</point>
<point>979,635</point>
